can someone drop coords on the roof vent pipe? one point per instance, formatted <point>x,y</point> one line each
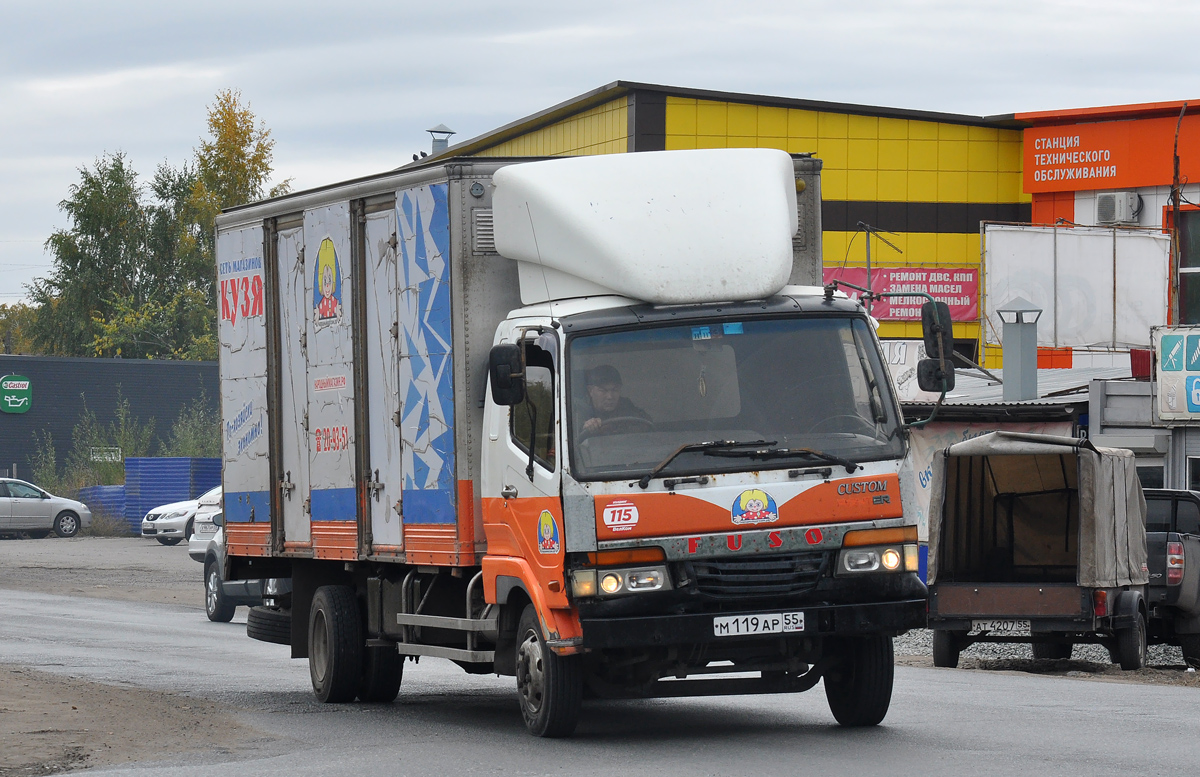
<point>441,137</point>
<point>1020,317</point>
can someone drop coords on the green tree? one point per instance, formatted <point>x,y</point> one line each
<point>16,328</point>
<point>134,273</point>
<point>97,260</point>
<point>98,455</point>
<point>197,431</point>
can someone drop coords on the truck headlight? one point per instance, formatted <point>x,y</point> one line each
<point>864,560</point>
<point>611,582</point>
<point>884,558</point>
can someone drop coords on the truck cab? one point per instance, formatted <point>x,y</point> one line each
<point>1173,555</point>
<point>728,484</point>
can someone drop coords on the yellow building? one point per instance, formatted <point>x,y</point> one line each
<point>927,178</point>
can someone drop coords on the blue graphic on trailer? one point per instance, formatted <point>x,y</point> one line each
<point>426,350</point>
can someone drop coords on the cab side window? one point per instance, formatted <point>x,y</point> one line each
<point>531,423</point>
<point>1187,517</point>
<point>3,489</point>
<point>1158,515</point>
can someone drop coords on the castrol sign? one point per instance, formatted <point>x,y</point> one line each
<point>621,515</point>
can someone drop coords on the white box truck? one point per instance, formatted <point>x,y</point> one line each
<point>567,420</point>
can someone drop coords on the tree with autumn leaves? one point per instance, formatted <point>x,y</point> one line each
<point>134,273</point>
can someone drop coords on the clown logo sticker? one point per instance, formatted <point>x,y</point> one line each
<point>327,286</point>
<point>755,506</point>
<point>547,533</point>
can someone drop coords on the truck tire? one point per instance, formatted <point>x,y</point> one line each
<point>1131,645</point>
<point>549,686</point>
<point>269,624</point>
<point>1190,643</point>
<point>945,649</point>
<point>216,606</point>
<point>335,644</point>
<point>382,671</point>
<point>1053,651</point>
<point>859,689</point>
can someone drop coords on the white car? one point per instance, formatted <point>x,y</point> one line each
<point>26,508</point>
<point>172,523</point>
<point>203,526</point>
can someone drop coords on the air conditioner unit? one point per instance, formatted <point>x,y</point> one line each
<point>1118,207</point>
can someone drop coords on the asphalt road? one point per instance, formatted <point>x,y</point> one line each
<point>942,722</point>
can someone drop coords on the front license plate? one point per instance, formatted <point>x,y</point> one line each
<point>1001,628</point>
<point>768,623</point>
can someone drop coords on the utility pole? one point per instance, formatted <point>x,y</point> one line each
<point>869,230</point>
<point>1176,195</point>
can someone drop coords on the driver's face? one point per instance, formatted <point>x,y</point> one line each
<point>605,398</point>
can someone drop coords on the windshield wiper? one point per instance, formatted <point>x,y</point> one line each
<point>783,453</point>
<point>711,445</point>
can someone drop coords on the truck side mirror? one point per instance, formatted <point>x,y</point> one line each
<point>939,341</point>
<point>929,375</point>
<point>507,374</point>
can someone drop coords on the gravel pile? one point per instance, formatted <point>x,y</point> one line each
<point>919,642</point>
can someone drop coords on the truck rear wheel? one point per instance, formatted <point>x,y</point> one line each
<point>382,670</point>
<point>859,689</point>
<point>549,686</point>
<point>1055,651</point>
<point>1131,645</point>
<point>335,644</point>
<point>946,648</point>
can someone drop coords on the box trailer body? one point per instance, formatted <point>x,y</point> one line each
<point>369,453</point>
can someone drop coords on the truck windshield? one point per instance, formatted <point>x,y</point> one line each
<point>636,396</point>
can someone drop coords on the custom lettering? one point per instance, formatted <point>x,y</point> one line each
<point>693,544</point>
<point>862,487</point>
<point>734,541</point>
<point>774,540</point>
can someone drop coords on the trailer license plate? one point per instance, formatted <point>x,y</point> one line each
<point>768,623</point>
<point>1001,628</point>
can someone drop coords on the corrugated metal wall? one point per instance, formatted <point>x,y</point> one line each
<point>104,500</point>
<point>150,482</point>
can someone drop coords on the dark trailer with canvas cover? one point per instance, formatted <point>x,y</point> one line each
<point>1038,539</point>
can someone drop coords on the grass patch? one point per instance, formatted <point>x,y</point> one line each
<point>105,525</point>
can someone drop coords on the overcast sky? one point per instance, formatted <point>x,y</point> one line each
<point>348,89</point>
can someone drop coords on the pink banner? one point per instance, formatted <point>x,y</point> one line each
<point>958,287</point>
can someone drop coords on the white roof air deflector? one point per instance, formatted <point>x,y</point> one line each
<point>666,227</point>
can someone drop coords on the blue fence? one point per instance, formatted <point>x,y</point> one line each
<point>150,482</point>
<point>104,500</point>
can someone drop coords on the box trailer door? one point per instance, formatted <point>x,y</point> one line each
<point>293,379</point>
<point>382,377</point>
<point>333,507</point>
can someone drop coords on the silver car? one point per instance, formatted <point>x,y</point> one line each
<point>26,508</point>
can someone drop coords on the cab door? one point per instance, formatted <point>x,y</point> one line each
<point>523,466</point>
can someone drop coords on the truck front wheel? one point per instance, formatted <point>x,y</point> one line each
<point>335,644</point>
<point>382,670</point>
<point>549,686</point>
<point>859,687</point>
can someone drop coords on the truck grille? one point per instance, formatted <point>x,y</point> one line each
<point>759,577</point>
